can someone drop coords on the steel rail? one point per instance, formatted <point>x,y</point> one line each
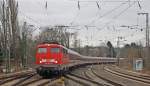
<point>128,76</point>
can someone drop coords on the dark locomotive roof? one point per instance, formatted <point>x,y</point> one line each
<point>50,42</point>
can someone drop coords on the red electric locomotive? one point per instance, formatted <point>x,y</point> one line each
<point>51,59</point>
<point>54,59</point>
<point>53,54</point>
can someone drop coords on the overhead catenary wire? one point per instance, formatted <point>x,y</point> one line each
<point>31,19</point>
<point>118,15</point>
<point>107,0</point>
<point>78,13</point>
<point>108,13</point>
<point>74,19</point>
<point>111,11</point>
<point>123,11</point>
<point>97,4</point>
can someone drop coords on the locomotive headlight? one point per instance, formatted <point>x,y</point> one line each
<point>56,61</point>
<point>40,61</point>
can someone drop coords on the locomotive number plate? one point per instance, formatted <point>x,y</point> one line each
<point>50,60</point>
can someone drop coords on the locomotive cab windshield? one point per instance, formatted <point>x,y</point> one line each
<point>55,50</point>
<point>42,50</point>
<point>49,54</point>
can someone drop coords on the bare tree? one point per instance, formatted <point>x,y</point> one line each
<point>57,34</point>
<point>9,31</point>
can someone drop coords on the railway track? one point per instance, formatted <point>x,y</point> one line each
<point>41,82</point>
<point>16,78</point>
<point>88,74</point>
<point>6,76</point>
<point>37,82</point>
<point>108,82</point>
<point>83,81</point>
<point>142,79</point>
<point>98,74</point>
<point>93,76</point>
<point>28,80</point>
<point>24,79</point>
<point>143,76</point>
<point>86,77</point>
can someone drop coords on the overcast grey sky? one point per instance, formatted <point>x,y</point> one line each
<point>106,20</point>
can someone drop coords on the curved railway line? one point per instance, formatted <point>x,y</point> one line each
<point>139,75</point>
<point>143,79</point>
<point>107,80</point>
<point>87,76</point>
<point>101,74</point>
<point>94,76</point>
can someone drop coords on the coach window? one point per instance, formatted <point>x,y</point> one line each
<point>42,50</point>
<point>55,50</point>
